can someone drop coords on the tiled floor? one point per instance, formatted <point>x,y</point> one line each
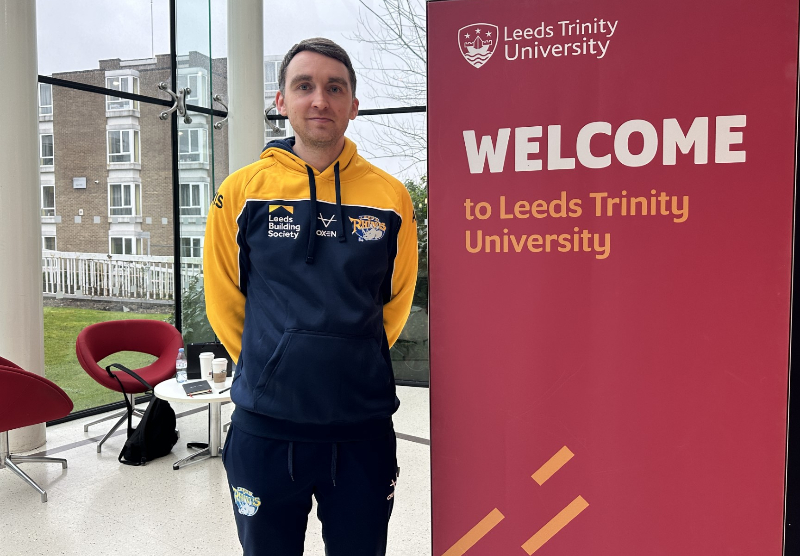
<point>98,506</point>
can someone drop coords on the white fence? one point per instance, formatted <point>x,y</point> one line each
<point>121,276</point>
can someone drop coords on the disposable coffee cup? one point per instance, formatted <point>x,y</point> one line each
<point>219,372</point>
<point>205,365</point>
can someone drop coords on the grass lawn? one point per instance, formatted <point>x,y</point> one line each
<point>61,328</point>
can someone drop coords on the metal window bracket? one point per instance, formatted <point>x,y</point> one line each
<point>218,125</point>
<point>180,102</point>
<point>268,122</point>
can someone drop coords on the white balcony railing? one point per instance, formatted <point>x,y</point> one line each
<point>121,276</point>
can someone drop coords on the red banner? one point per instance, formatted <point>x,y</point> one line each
<point>611,204</point>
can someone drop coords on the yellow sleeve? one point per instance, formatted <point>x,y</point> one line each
<point>224,299</point>
<point>404,279</point>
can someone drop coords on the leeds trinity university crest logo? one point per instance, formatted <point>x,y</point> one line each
<point>368,228</point>
<point>247,503</point>
<point>477,42</point>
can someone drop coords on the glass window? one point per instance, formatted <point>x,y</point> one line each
<point>192,247</point>
<point>124,83</point>
<point>124,199</point>
<point>45,99</point>
<point>271,70</point>
<point>46,150</point>
<point>125,246</point>
<point>48,200</point>
<point>192,145</point>
<point>197,83</point>
<point>123,146</point>
<point>195,199</point>
<point>49,242</point>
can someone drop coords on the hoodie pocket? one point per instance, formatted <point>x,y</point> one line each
<point>322,378</point>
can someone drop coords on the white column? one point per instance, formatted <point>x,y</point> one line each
<point>21,321</point>
<point>245,82</point>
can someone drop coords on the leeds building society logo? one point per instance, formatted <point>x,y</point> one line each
<point>368,228</point>
<point>477,42</point>
<point>281,222</point>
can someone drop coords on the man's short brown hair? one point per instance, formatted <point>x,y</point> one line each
<point>319,45</point>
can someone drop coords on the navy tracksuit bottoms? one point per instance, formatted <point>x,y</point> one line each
<point>272,482</point>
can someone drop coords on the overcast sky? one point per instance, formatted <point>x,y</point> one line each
<point>74,34</point>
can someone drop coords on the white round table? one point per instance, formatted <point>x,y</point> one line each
<point>172,391</point>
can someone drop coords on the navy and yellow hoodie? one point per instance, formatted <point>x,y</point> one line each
<point>309,278</point>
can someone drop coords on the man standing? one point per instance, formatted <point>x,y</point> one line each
<point>310,265</point>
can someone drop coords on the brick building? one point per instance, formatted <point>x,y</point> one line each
<point>105,162</point>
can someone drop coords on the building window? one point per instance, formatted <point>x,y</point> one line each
<point>46,150</point>
<point>124,199</point>
<point>126,84</point>
<point>49,242</point>
<point>191,247</point>
<point>48,200</point>
<point>271,71</point>
<point>192,145</point>
<point>197,83</point>
<point>125,246</point>
<point>45,99</point>
<point>123,146</point>
<point>195,199</point>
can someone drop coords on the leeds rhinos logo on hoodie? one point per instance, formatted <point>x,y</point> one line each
<point>368,228</point>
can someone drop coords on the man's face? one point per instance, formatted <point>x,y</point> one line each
<point>318,100</point>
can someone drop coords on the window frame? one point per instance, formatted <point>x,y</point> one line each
<point>133,141</point>
<point>52,155</point>
<point>55,243</point>
<point>45,210</point>
<point>134,190</point>
<point>45,109</point>
<point>196,244</point>
<point>198,88</point>
<point>117,103</point>
<point>201,204</point>
<point>202,138</point>
<point>270,86</point>
<point>135,244</point>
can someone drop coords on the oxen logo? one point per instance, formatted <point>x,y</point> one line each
<point>477,42</point>
<point>247,503</point>
<point>368,228</point>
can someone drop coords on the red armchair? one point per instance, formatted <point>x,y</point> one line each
<point>27,399</point>
<point>154,337</point>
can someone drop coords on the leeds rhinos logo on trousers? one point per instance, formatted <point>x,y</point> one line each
<point>245,501</point>
<point>477,42</point>
<point>368,228</point>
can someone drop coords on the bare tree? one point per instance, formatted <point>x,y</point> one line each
<point>396,69</point>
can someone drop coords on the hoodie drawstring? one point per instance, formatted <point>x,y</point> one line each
<point>342,237</point>
<point>333,462</point>
<point>312,216</point>
<point>291,456</point>
<point>312,222</point>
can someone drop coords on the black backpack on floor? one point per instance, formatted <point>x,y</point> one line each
<point>156,435</point>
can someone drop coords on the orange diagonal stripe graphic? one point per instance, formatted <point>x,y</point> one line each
<point>553,464</point>
<point>475,534</point>
<point>555,525</point>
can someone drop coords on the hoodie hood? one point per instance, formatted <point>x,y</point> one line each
<point>347,166</point>
<point>351,166</point>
